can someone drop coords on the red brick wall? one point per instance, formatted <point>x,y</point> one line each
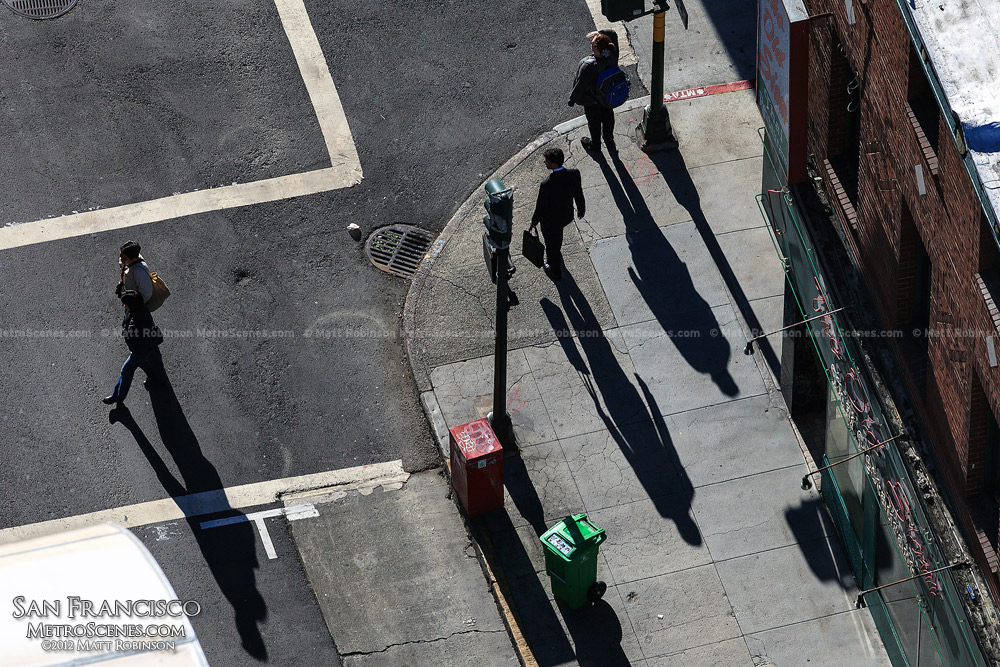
<point>947,219</point>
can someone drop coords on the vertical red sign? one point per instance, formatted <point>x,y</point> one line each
<point>782,81</point>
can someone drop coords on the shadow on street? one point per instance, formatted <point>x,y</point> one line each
<point>230,551</point>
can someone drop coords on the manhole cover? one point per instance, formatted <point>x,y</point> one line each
<point>398,249</point>
<point>40,9</point>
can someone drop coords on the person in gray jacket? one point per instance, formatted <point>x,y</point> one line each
<point>135,275</point>
<point>600,119</point>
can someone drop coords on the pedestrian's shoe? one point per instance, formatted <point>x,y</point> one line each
<point>612,148</point>
<point>149,386</point>
<point>108,400</point>
<point>546,267</point>
<point>551,274</point>
<point>589,144</point>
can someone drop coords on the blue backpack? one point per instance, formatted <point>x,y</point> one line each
<point>612,87</point>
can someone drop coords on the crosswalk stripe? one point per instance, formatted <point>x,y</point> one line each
<point>176,206</point>
<point>333,482</point>
<point>344,172</point>
<point>319,84</point>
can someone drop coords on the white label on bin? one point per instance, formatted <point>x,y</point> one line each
<point>560,544</point>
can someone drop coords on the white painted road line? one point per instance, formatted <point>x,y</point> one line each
<point>336,482</point>
<point>345,170</point>
<point>319,83</point>
<point>176,206</point>
<point>294,513</point>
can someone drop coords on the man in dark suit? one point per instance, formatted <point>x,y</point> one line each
<point>554,209</point>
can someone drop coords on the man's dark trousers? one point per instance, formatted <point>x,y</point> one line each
<point>553,235</point>
<point>601,122</point>
<point>554,210</point>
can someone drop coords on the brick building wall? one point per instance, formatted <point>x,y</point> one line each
<point>926,256</point>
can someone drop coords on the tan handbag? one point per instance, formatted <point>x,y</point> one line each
<point>160,292</point>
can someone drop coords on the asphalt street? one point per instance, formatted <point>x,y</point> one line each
<point>121,103</point>
<point>117,103</point>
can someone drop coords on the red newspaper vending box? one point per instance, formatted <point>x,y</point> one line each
<point>477,467</point>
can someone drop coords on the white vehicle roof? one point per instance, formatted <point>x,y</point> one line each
<point>100,563</point>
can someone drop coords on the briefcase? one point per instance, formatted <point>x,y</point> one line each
<point>532,248</point>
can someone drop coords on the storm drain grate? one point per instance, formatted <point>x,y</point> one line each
<point>398,249</point>
<point>40,9</point>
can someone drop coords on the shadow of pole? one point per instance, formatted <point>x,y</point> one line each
<point>230,551</point>
<point>522,584</point>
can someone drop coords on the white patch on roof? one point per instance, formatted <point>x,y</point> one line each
<point>962,38</point>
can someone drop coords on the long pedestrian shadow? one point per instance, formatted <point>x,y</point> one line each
<point>673,170</point>
<point>665,283</point>
<point>595,629</point>
<point>640,432</point>
<point>230,551</point>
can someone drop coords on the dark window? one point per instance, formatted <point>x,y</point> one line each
<point>983,473</point>
<point>844,144</point>
<point>923,110</point>
<point>989,271</point>
<point>913,298</point>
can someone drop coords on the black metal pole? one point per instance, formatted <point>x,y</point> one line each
<point>655,132</point>
<point>499,419</point>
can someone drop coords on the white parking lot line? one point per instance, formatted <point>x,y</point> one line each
<point>344,172</point>
<point>336,482</point>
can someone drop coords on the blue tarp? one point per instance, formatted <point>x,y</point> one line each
<point>983,138</point>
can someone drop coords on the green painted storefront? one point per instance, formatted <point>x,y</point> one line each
<point>880,519</point>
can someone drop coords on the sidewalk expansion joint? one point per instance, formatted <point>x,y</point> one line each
<point>422,641</point>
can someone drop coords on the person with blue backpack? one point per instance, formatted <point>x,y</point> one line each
<point>599,87</point>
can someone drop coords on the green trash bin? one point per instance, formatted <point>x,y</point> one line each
<point>571,548</point>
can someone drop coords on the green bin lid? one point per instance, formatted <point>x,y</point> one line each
<point>572,533</point>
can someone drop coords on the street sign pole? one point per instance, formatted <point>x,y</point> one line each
<point>655,132</point>
<point>496,245</point>
<point>499,419</point>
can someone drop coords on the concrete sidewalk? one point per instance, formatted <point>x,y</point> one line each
<point>632,400</point>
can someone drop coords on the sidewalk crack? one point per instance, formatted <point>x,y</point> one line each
<point>418,641</point>
<point>465,290</point>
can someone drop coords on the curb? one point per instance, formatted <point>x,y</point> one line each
<point>421,372</point>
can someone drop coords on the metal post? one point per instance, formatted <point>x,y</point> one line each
<point>499,419</point>
<point>655,132</point>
